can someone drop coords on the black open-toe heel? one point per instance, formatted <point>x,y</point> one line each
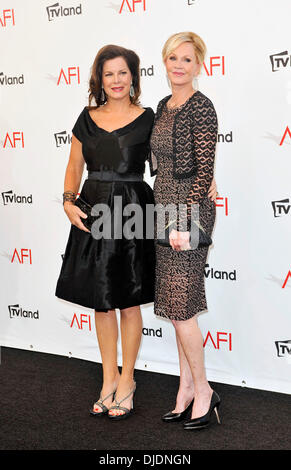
<point>127,411</point>
<point>174,417</point>
<point>102,406</point>
<point>204,421</point>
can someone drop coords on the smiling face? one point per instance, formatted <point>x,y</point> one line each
<point>116,78</point>
<point>181,65</point>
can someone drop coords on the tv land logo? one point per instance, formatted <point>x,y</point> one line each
<point>62,138</point>
<point>15,311</point>
<point>214,274</point>
<point>7,17</point>
<point>56,11</point>
<point>280,61</point>
<point>14,140</point>
<point>283,348</point>
<point>225,138</point>
<point>221,337</point>
<point>281,208</point>
<point>9,80</point>
<point>147,72</point>
<point>9,197</point>
<point>152,332</point>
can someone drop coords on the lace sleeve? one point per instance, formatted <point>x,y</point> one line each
<point>151,156</point>
<point>205,138</point>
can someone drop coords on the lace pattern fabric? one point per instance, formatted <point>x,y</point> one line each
<point>179,276</point>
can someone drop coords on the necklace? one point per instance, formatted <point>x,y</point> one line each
<point>176,105</point>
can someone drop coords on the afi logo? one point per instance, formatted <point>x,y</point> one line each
<point>224,204</point>
<point>221,337</point>
<point>283,348</point>
<point>24,253</point>
<point>129,5</point>
<point>287,131</point>
<point>71,73</point>
<point>62,138</point>
<point>7,15</point>
<point>215,62</point>
<point>287,277</point>
<point>281,207</point>
<point>280,60</point>
<point>13,140</point>
<point>83,319</point>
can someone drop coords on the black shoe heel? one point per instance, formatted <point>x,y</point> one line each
<point>204,421</point>
<point>174,417</point>
<point>216,413</point>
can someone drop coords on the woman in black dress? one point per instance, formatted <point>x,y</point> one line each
<point>183,149</point>
<point>112,138</point>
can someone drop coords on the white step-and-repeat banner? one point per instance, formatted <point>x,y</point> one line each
<point>47,50</point>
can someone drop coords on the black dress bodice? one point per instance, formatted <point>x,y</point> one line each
<point>124,150</point>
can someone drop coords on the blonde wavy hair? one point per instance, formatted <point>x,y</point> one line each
<point>177,39</point>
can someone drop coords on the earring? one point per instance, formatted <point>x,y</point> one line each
<point>102,96</point>
<point>131,91</point>
<point>195,84</point>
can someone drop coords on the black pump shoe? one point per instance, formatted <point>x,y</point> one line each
<point>204,421</point>
<point>173,417</point>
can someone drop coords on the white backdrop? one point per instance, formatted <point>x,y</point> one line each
<point>47,50</point>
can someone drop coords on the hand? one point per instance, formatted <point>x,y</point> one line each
<point>212,192</point>
<point>74,213</point>
<point>179,241</point>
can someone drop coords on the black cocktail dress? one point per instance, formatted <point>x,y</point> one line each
<point>105,274</point>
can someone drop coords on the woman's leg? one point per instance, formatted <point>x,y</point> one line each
<point>191,340</point>
<point>186,386</point>
<point>131,331</point>
<point>107,334</point>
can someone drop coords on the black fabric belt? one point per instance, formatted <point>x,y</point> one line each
<point>113,176</point>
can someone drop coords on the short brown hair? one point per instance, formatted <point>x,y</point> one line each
<point>107,53</point>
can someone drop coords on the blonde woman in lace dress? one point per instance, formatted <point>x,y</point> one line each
<point>183,146</point>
